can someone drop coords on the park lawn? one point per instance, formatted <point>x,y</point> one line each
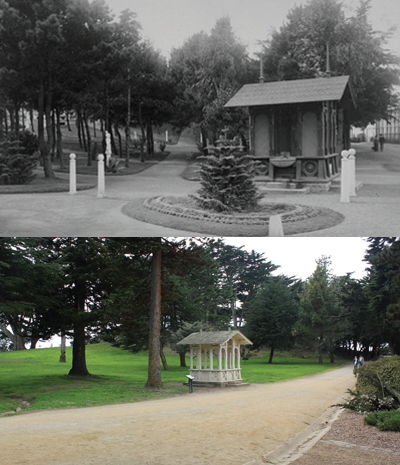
<point>37,377</point>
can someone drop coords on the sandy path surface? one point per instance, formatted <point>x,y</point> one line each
<point>216,426</point>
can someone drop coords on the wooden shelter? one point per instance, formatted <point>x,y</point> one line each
<point>226,346</point>
<point>298,128</point>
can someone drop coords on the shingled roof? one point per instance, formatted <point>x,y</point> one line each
<point>214,337</point>
<point>296,91</point>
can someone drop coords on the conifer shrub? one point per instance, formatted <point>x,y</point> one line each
<point>384,421</point>
<point>227,181</point>
<point>17,158</point>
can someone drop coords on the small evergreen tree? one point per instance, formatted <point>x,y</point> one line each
<point>227,181</point>
<point>17,161</point>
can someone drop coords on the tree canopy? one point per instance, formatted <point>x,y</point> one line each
<point>320,31</point>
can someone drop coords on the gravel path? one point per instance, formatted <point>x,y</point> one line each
<point>215,426</point>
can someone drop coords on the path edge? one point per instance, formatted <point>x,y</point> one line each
<point>303,441</point>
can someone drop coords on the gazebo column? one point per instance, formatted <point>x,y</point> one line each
<point>198,357</point>
<point>205,357</point>
<point>191,357</point>
<point>211,358</point>
<point>238,356</point>
<point>220,358</point>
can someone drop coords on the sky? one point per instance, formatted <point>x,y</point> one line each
<point>168,23</point>
<point>297,256</point>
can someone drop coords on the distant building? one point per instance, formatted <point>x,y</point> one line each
<point>390,129</point>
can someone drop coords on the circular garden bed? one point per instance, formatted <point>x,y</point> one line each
<point>184,213</point>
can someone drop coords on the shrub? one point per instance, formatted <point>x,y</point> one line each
<point>384,421</point>
<point>377,386</point>
<point>16,163</point>
<point>386,369</point>
<point>227,181</point>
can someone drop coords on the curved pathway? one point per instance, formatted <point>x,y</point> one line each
<point>215,426</point>
<point>83,214</point>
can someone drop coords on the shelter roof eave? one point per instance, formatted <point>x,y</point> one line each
<point>292,92</point>
<point>214,338</point>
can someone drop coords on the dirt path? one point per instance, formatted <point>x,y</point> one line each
<point>225,426</point>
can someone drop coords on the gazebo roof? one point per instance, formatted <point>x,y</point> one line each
<point>214,337</point>
<point>295,91</point>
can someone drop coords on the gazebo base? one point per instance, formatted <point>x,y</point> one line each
<point>217,385</point>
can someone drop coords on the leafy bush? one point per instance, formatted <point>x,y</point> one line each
<point>377,386</point>
<point>386,368</point>
<point>384,421</point>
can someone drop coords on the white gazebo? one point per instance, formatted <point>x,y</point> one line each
<point>224,344</point>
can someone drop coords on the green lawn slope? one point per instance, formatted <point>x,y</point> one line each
<point>36,377</point>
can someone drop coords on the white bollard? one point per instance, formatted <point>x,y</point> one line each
<point>166,135</point>
<point>275,226</point>
<point>101,188</point>
<point>352,158</point>
<point>345,178</point>
<point>72,174</point>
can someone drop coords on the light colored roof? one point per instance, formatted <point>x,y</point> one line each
<point>296,91</point>
<point>214,337</point>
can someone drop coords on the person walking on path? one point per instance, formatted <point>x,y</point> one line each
<point>382,141</point>
<point>360,361</point>
<point>355,362</point>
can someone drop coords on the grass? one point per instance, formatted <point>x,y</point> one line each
<point>38,378</point>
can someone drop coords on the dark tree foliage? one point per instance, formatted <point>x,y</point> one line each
<point>383,288</point>
<point>319,29</point>
<point>272,314</point>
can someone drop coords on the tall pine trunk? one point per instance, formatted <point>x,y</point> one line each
<point>154,369</point>
<point>79,346</point>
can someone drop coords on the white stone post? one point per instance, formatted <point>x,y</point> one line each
<point>352,158</point>
<point>101,188</point>
<point>345,178</point>
<point>275,226</point>
<point>166,135</point>
<point>72,174</point>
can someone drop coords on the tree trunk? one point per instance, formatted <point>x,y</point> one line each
<point>60,153</point>
<point>150,139</point>
<point>31,119</point>
<point>79,352</point>
<point>48,169</point>
<point>63,357</point>
<point>142,139</point>
<point>17,340</point>
<point>34,341</point>
<point>233,309</point>
<point>118,134</point>
<point>182,357</point>
<point>154,370</point>
<point>89,139</point>
<point>163,359</point>
<point>128,123</point>
<point>79,345</point>
<point>271,354</point>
